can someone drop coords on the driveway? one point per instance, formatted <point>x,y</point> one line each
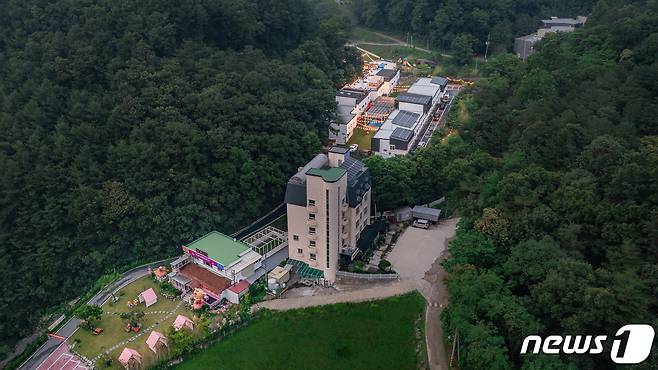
<point>417,256</point>
<point>417,249</point>
<point>378,291</point>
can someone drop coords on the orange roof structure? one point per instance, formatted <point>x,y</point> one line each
<point>202,278</point>
<point>160,272</point>
<point>239,287</point>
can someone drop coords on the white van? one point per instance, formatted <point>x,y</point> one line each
<point>422,224</point>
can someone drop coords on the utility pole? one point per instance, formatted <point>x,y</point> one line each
<point>486,50</point>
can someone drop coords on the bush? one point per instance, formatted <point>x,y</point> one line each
<point>384,265</point>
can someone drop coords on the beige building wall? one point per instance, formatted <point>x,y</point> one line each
<point>315,231</point>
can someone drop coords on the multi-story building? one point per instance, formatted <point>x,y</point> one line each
<point>403,128</point>
<point>354,99</point>
<point>328,204</point>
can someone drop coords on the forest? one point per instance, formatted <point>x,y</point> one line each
<point>128,128</point>
<point>459,24</point>
<point>554,178</point>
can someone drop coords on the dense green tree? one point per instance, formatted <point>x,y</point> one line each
<point>130,128</point>
<point>552,173</point>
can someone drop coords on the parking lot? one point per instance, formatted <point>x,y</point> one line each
<point>417,249</point>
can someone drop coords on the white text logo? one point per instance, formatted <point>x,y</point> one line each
<point>637,344</point>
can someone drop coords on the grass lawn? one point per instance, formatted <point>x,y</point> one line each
<point>366,35</point>
<point>384,334</point>
<point>90,345</point>
<point>396,51</point>
<point>362,138</point>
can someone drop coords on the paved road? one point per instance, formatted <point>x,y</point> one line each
<point>262,222</point>
<point>358,295</point>
<point>417,256</point>
<point>72,325</point>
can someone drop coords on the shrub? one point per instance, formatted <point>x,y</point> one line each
<point>384,265</point>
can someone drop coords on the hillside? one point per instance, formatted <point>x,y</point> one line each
<point>131,127</point>
<point>551,167</point>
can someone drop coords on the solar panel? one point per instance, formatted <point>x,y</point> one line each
<point>353,167</point>
<point>414,98</point>
<point>402,134</point>
<point>405,119</point>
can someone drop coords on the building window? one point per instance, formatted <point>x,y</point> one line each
<point>300,251</point>
<point>311,216</point>
<point>311,243</point>
<point>311,230</point>
<point>311,202</point>
<point>392,147</point>
<point>312,256</point>
<point>295,237</point>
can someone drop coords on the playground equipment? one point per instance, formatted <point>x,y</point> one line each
<point>97,331</point>
<point>134,327</point>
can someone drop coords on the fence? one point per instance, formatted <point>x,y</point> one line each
<point>357,275</point>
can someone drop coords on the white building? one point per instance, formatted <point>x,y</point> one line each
<point>355,98</point>
<point>398,134</point>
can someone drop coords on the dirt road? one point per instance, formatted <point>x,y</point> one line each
<point>379,291</point>
<point>417,257</point>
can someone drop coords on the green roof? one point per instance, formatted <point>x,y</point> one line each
<point>220,247</point>
<point>339,149</point>
<point>328,174</point>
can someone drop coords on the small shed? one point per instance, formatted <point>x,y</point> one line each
<point>148,297</point>
<point>156,341</point>
<point>426,213</point>
<point>235,292</point>
<point>183,322</point>
<point>280,274</point>
<point>130,359</point>
<point>402,214</point>
<point>160,273</point>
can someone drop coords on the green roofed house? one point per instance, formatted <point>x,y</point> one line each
<point>328,203</point>
<point>213,263</point>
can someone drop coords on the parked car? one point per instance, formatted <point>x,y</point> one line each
<point>354,147</point>
<point>422,224</point>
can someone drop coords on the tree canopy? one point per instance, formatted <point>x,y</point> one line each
<point>441,22</point>
<point>132,127</point>
<point>553,173</point>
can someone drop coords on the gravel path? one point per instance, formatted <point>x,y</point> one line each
<point>367,294</point>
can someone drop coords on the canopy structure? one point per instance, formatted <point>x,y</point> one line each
<point>148,297</point>
<point>306,271</point>
<point>183,322</point>
<point>130,358</point>
<point>426,213</point>
<point>156,341</point>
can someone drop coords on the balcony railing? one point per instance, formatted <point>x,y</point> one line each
<point>311,222</point>
<point>312,236</point>
<point>311,208</point>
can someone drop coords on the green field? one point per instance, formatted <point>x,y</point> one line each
<point>383,334</point>
<point>362,138</point>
